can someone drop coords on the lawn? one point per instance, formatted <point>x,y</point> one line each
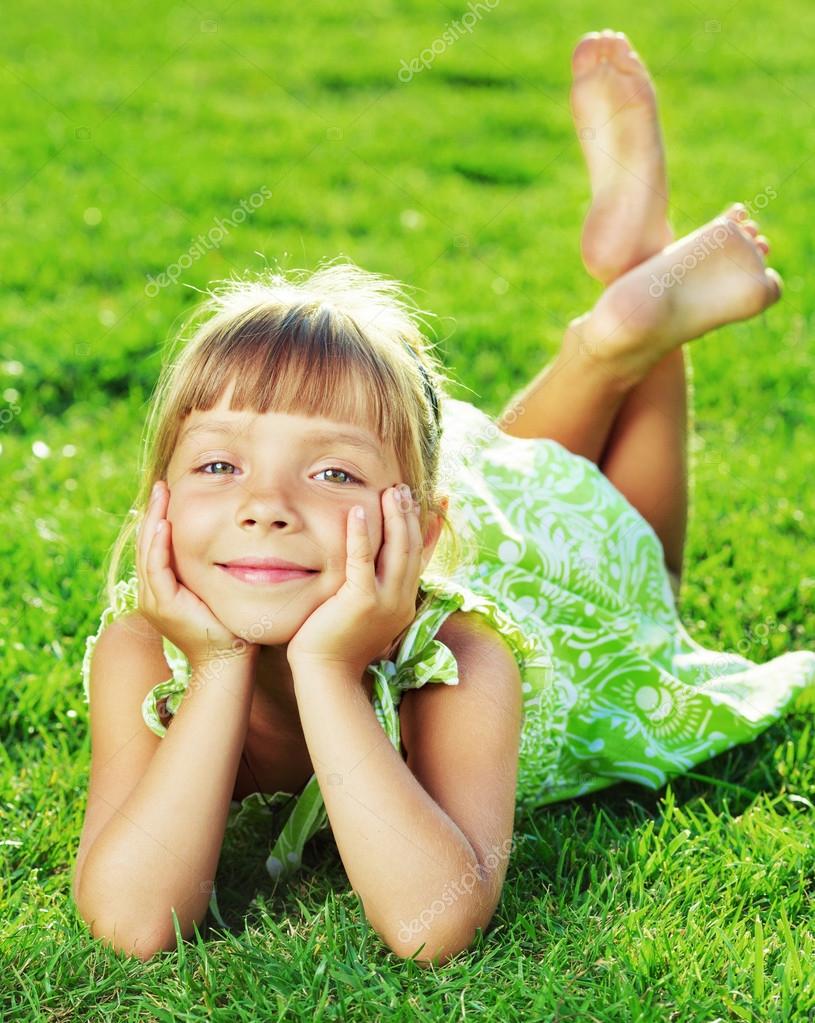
<point>129,132</point>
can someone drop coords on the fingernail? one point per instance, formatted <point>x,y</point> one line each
<point>154,492</point>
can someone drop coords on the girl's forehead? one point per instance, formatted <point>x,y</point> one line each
<point>295,430</point>
<point>248,421</point>
<point>293,418</point>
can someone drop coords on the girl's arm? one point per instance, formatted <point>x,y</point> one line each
<point>425,843</point>
<point>157,808</point>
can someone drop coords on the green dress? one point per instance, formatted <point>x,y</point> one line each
<point>573,578</point>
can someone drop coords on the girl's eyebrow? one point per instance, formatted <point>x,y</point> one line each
<point>318,436</point>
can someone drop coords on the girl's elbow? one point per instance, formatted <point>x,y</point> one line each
<point>139,941</point>
<point>134,948</point>
<point>433,947</point>
<point>434,943</point>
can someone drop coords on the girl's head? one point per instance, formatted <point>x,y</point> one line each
<point>295,397</point>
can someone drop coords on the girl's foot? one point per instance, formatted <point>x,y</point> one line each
<point>615,113</point>
<point>714,276</point>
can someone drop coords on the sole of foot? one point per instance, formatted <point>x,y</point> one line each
<point>615,113</point>
<point>713,276</point>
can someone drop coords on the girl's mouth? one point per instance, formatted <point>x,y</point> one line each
<point>265,576</point>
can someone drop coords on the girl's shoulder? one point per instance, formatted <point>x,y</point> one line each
<point>123,618</point>
<point>466,627</point>
<point>459,607</point>
<point>451,614</point>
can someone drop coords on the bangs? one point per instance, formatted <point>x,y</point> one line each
<point>312,362</point>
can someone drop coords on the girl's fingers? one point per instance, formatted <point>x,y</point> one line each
<point>155,512</point>
<point>160,576</point>
<point>414,566</point>
<point>414,547</point>
<point>359,559</point>
<point>402,546</point>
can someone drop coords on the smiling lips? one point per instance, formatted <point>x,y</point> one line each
<point>262,571</point>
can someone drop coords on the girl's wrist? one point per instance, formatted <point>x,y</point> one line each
<point>235,676</point>
<point>307,670</point>
<point>229,660</point>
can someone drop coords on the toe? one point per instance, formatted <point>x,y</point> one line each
<point>597,47</point>
<point>736,211</point>
<point>608,39</point>
<point>750,226</point>
<point>775,284</point>
<point>586,53</point>
<point>763,244</point>
<point>622,42</point>
<point>623,55</point>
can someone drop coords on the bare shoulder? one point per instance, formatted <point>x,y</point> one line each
<point>485,663</point>
<point>469,636</point>
<point>466,626</point>
<point>133,626</point>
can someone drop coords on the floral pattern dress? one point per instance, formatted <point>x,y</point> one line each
<point>573,577</point>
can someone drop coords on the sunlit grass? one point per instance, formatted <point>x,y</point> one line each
<point>127,133</point>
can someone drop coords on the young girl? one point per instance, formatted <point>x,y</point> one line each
<point>272,648</point>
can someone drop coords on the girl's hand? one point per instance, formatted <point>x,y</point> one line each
<point>175,611</point>
<point>369,610</point>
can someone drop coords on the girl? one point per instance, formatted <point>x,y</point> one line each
<point>273,649</point>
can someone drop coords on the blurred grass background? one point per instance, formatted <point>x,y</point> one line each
<point>126,134</point>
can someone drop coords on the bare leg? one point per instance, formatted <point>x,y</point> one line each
<point>571,400</point>
<point>639,440</point>
<point>646,456</point>
<point>622,361</point>
<point>617,120</point>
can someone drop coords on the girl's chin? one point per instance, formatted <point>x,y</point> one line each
<point>254,629</point>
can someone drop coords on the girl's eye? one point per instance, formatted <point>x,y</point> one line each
<point>344,473</point>
<point>202,469</point>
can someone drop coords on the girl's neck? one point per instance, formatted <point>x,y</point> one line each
<point>274,689</point>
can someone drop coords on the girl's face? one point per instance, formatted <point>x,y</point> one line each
<point>272,485</point>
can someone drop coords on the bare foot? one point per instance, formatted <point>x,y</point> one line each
<point>615,113</point>
<point>713,276</point>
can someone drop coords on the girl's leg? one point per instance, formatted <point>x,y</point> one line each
<point>639,438</point>
<point>572,400</point>
<point>623,361</point>
<point>646,456</point>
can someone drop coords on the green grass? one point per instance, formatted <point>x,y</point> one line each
<point>694,903</point>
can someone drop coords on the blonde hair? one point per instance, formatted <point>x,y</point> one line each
<point>332,342</point>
